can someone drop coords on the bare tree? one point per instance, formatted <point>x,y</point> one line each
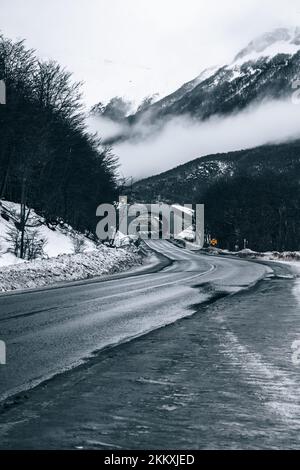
<point>30,243</point>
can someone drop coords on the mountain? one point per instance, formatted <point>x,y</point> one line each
<point>188,183</point>
<point>281,40</point>
<point>249,194</point>
<point>265,69</point>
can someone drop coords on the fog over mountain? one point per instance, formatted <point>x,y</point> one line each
<point>135,48</point>
<point>183,139</point>
<point>245,103</point>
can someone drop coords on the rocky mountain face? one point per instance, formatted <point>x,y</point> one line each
<point>265,69</point>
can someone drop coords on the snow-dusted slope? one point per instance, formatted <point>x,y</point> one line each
<point>59,262</point>
<point>265,69</point>
<point>59,240</point>
<point>189,182</point>
<point>186,88</point>
<point>279,41</point>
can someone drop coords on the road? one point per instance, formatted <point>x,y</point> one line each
<point>49,331</point>
<point>215,378</point>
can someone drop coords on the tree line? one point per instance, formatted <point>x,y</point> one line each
<point>262,209</point>
<point>48,159</point>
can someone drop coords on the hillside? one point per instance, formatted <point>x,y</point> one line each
<point>187,183</point>
<point>58,240</point>
<point>65,254</point>
<point>48,160</point>
<point>251,197</point>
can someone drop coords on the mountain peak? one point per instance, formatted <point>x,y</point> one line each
<point>278,41</point>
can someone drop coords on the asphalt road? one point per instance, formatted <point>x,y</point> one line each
<point>51,330</point>
<point>221,376</point>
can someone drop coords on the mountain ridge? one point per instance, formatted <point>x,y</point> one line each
<point>264,70</point>
<point>189,181</point>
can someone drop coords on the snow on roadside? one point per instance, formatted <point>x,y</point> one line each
<point>58,263</point>
<point>268,255</point>
<point>74,267</point>
<point>292,258</point>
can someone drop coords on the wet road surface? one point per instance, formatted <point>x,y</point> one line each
<point>221,376</point>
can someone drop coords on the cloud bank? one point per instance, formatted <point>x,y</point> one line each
<point>135,48</point>
<point>183,139</point>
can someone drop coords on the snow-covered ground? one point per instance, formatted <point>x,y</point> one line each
<point>268,255</point>
<point>59,240</point>
<point>59,262</point>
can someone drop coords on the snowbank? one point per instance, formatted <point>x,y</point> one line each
<point>290,257</point>
<point>58,262</point>
<point>280,256</point>
<point>74,267</point>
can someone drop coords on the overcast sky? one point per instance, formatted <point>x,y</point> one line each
<point>137,47</point>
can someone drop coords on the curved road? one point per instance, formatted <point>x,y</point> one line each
<point>223,376</point>
<point>50,330</point>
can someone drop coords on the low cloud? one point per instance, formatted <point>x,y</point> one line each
<point>105,128</point>
<point>183,139</point>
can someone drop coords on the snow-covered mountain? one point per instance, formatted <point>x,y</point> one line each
<point>279,41</point>
<point>264,70</point>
